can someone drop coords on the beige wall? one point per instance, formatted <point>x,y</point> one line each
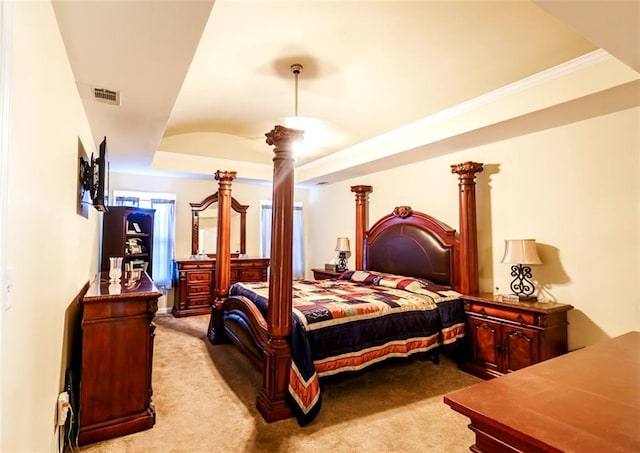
<point>573,188</point>
<point>53,251</point>
<point>195,190</point>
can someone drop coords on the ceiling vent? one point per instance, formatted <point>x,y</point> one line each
<point>106,96</point>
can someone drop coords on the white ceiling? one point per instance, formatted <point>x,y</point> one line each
<point>201,83</point>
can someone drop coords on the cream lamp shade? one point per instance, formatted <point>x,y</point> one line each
<point>520,251</point>
<point>342,245</point>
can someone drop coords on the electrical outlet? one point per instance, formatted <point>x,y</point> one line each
<point>63,408</point>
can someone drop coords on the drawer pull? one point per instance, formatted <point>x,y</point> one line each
<point>483,312</point>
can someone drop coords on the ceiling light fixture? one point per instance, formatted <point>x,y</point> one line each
<point>314,135</point>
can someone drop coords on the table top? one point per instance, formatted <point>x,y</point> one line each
<point>129,286</point>
<point>587,400</point>
<point>542,307</point>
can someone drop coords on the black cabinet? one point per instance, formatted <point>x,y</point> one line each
<point>128,232</point>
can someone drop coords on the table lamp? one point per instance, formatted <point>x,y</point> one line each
<point>521,253</point>
<point>342,247</point>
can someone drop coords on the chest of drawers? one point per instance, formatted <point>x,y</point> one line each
<point>194,282</point>
<point>507,336</point>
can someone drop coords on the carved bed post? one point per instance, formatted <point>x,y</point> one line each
<point>223,255</point>
<point>223,245</point>
<point>362,217</point>
<point>272,400</point>
<point>469,279</point>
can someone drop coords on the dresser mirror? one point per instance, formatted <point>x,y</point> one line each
<point>204,227</point>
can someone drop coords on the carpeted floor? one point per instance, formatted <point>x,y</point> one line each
<point>205,402</point>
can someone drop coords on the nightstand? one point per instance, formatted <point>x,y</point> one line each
<point>506,336</point>
<point>322,274</point>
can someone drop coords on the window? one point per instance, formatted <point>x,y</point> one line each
<point>163,229</point>
<point>298,236</point>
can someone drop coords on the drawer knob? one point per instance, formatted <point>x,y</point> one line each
<point>483,312</point>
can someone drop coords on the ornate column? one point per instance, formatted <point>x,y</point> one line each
<point>223,256</point>
<point>362,218</point>
<point>469,279</point>
<point>223,245</point>
<point>271,402</point>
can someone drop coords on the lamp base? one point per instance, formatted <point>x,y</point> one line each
<point>523,298</point>
<point>342,262</point>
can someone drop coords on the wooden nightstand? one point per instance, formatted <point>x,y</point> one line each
<point>322,274</point>
<point>507,336</point>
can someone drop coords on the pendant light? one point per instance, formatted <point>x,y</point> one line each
<point>317,135</point>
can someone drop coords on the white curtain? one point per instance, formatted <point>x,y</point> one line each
<point>298,270</point>
<point>163,241</point>
<point>265,230</point>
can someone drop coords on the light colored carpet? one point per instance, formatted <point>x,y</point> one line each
<point>205,402</point>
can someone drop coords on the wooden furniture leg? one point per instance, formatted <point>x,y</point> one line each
<point>469,279</point>
<point>362,215</point>
<point>272,402</point>
<point>223,256</point>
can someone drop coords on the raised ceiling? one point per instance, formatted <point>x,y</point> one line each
<point>390,82</point>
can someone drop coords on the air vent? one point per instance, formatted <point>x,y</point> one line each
<point>106,96</point>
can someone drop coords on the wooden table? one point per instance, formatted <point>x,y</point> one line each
<point>117,357</point>
<point>584,401</point>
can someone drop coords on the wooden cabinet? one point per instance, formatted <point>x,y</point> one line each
<point>116,358</point>
<point>507,336</point>
<point>323,274</point>
<point>128,232</point>
<point>585,401</point>
<point>194,282</point>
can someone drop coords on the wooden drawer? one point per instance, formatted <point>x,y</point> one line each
<point>250,275</point>
<point>198,302</point>
<point>190,265</point>
<point>203,290</point>
<point>198,277</point>
<point>498,312</point>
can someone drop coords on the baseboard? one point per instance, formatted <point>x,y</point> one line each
<point>163,310</point>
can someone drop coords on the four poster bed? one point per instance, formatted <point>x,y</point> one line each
<point>402,300</point>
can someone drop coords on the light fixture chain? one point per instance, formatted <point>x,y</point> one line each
<point>296,69</point>
<point>295,110</point>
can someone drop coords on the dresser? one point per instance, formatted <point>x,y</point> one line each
<point>116,357</point>
<point>194,281</point>
<point>584,401</point>
<point>506,336</point>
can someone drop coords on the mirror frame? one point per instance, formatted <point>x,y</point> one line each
<point>204,204</point>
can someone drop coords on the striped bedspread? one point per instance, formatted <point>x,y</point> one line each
<point>356,321</point>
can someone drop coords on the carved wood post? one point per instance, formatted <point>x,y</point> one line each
<point>469,279</point>
<point>362,218</point>
<point>223,245</point>
<point>222,277</point>
<point>271,402</point>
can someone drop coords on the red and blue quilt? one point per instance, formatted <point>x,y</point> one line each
<point>356,321</point>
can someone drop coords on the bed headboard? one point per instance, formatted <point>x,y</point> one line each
<point>417,245</point>
<point>413,244</point>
